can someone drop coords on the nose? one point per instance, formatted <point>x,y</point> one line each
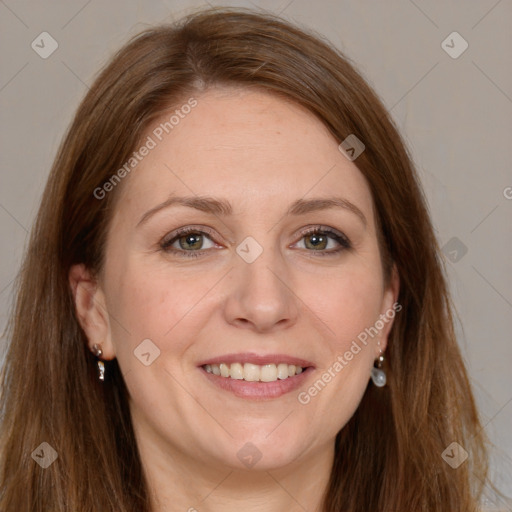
<point>261,296</point>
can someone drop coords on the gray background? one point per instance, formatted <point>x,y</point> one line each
<point>455,114</point>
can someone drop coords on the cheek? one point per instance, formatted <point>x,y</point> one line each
<point>349,303</point>
<point>149,305</point>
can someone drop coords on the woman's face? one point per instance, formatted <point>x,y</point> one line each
<point>280,267</point>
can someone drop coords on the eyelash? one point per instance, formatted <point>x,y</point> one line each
<point>166,243</point>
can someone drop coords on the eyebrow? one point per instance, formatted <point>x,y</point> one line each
<point>223,208</point>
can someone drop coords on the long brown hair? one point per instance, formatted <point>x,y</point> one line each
<point>388,457</point>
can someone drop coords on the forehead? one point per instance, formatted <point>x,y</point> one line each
<point>244,145</point>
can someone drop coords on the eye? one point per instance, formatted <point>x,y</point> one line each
<point>188,240</point>
<point>191,241</point>
<point>324,240</point>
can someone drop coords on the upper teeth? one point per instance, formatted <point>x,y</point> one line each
<point>254,372</point>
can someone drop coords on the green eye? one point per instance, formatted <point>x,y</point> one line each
<point>187,240</point>
<point>192,242</point>
<point>316,241</point>
<point>321,240</point>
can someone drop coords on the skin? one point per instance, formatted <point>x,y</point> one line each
<point>259,153</point>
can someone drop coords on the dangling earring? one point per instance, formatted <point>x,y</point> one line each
<point>98,352</point>
<point>377,373</point>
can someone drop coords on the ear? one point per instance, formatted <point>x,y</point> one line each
<point>390,308</point>
<point>91,311</point>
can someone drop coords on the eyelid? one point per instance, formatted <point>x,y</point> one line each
<point>316,228</point>
<point>187,229</point>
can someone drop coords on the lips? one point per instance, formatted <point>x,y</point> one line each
<point>256,376</point>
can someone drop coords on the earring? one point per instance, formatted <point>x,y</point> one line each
<point>98,352</point>
<point>101,371</point>
<point>378,374</point>
<point>96,349</point>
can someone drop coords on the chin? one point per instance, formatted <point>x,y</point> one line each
<point>261,453</point>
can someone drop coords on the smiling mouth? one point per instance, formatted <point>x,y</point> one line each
<point>254,372</point>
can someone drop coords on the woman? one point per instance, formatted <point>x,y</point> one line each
<point>233,295</point>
